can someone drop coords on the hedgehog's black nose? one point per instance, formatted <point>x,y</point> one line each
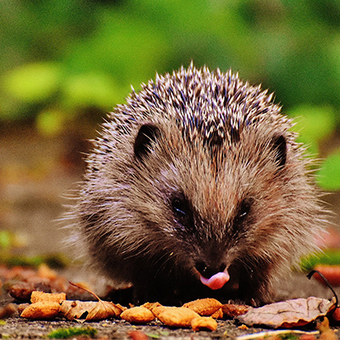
<point>208,271</point>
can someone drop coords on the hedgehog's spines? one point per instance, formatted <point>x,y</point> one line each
<point>220,142</point>
<point>209,104</point>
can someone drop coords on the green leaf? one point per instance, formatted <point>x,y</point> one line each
<point>32,82</point>
<point>64,333</point>
<point>6,239</point>
<point>314,123</point>
<point>327,256</point>
<point>328,177</point>
<point>93,89</point>
<point>50,122</point>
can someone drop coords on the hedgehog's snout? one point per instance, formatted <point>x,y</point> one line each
<point>208,270</point>
<point>214,278</point>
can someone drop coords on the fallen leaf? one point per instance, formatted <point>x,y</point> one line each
<point>41,310</point>
<point>22,291</point>
<point>218,314</point>
<point>326,332</point>
<point>288,314</point>
<point>37,296</point>
<point>175,316</point>
<point>151,305</point>
<point>17,272</point>
<point>232,310</point>
<point>202,322</point>
<point>89,310</point>
<point>331,273</point>
<point>103,310</point>
<point>204,307</point>
<point>45,271</point>
<point>279,334</point>
<point>243,327</point>
<point>307,337</point>
<point>72,309</point>
<point>336,314</point>
<point>139,315</point>
<point>8,310</point>
<point>137,335</point>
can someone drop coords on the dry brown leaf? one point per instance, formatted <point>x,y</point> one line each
<point>45,310</point>
<point>175,316</point>
<point>16,272</point>
<point>243,327</point>
<point>336,314</point>
<point>232,310</point>
<point>203,323</point>
<point>278,334</point>
<point>103,310</point>
<point>45,271</point>
<point>47,297</point>
<point>330,272</point>
<point>218,314</point>
<point>151,305</point>
<point>204,307</point>
<point>22,291</point>
<point>139,315</point>
<point>72,309</point>
<point>137,335</point>
<point>8,310</point>
<point>44,306</point>
<point>307,337</point>
<point>288,314</point>
<point>326,332</point>
<point>156,310</point>
<point>89,310</point>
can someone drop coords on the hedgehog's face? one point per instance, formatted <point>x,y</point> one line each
<point>212,209</point>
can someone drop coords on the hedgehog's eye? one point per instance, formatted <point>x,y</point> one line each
<point>180,206</point>
<point>182,211</point>
<point>243,210</point>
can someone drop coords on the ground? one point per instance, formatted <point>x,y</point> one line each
<point>296,286</point>
<point>116,329</point>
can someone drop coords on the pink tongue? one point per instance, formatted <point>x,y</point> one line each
<point>217,281</point>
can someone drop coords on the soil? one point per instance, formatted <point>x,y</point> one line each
<point>35,174</point>
<point>117,329</point>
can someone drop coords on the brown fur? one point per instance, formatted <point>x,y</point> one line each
<point>218,149</point>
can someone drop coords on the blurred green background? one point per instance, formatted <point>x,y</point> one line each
<point>64,63</point>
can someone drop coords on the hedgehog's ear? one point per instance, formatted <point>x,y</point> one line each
<point>147,134</point>
<point>279,145</point>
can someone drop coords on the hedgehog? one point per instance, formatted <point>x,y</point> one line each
<point>197,187</point>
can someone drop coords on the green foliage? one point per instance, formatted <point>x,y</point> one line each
<point>32,82</point>
<point>327,256</point>
<point>62,58</point>
<point>6,239</point>
<point>328,176</point>
<point>11,242</point>
<point>288,336</point>
<point>90,89</point>
<point>64,333</point>
<point>52,260</point>
<point>51,122</point>
<point>314,123</point>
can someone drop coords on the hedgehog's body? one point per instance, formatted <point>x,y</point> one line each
<point>197,179</point>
